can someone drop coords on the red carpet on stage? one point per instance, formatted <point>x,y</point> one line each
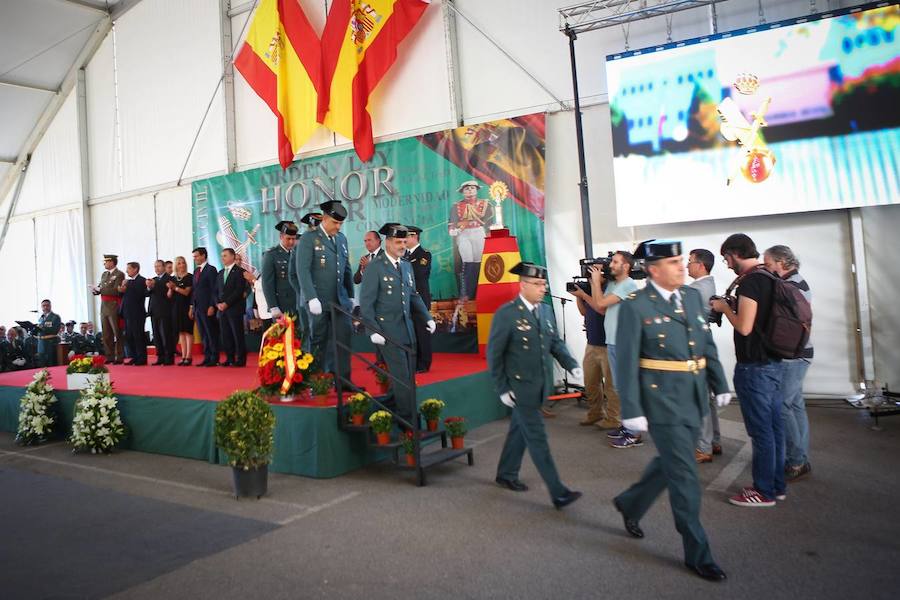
<point>215,383</point>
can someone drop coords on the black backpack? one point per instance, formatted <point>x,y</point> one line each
<point>787,329</point>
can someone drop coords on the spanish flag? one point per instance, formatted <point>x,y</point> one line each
<point>281,59</point>
<point>359,45</point>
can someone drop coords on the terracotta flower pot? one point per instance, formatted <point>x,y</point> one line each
<point>383,439</point>
<point>357,419</point>
<point>457,442</point>
<point>411,460</point>
<point>432,424</point>
<point>321,399</point>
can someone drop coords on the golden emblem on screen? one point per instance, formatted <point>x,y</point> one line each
<point>494,268</point>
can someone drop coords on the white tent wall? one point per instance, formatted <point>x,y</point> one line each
<point>103,153</point>
<point>17,257</point>
<point>59,241</point>
<point>173,225</point>
<point>54,175</point>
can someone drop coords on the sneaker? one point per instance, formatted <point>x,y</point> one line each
<point>750,497</point>
<point>617,433</point>
<point>794,473</point>
<point>781,497</point>
<point>626,441</point>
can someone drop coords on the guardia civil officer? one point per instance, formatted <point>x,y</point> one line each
<point>47,333</point>
<point>388,299</point>
<point>278,272</point>
<point>521,347</point>
<point>323,269</point>
<point>666,354</point>
<point>312,220</point>
<point>420,260</point>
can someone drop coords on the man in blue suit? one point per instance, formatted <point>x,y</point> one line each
<point>134,311</point>
<point>323,268</point>
<point>231,293</point>
<point>389,300</point>
<point>203,307</point>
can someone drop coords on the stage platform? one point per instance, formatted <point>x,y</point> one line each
<point>169,410</point>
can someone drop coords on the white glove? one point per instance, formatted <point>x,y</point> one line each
<point>723,400</point>
<point>635,424</point>
<point>276,312</point>
<point>577,372</point>
<point>315,307</point>
<point>354,302</point>
<point>431,325</point>
<point>18,362</point>
<point>508,399</point>
<point>377,338</point>
<point>454,232</point>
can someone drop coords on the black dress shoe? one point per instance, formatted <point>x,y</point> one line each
<point>158,363</point>
<point>239,364</point>
<point>227,363</point>
<point>512,484</point>
<point>211,364</point>
<point>631,525</point>
<point>566,499</point>
<point>139,363</point>
<point>709,571</point>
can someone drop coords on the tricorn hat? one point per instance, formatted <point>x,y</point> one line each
<point>527,269</point>
<point>468,183</point>
<point>70,323</point>
<point>414,229</point>
<point>334,209</point>
<point>287,227</point>
<point>393,230</point>
<point>651,250</point>
<point>312,219</point>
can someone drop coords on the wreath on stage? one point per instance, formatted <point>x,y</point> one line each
<point>37,415</point>
<point>283,366</point>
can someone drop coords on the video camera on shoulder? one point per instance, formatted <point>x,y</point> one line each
<point>715,316</point>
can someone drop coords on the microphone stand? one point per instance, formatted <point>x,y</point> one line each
<point>566,385</point>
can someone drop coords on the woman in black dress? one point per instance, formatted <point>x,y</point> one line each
<point>180,290</point>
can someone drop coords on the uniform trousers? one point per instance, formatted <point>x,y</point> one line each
<point>526,430</point>
<point>401,366</point>
<point>320,340</point>
<point>113,343</point>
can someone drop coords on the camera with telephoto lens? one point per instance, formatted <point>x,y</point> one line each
<point>716,316</point>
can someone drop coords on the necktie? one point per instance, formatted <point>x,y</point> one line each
<point>674,301</point>
<point>397,265</point>
<point>197,274</point>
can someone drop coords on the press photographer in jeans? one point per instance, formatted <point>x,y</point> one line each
<point>757,375</point>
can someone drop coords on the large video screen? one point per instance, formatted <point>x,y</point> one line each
<point>785,117</point>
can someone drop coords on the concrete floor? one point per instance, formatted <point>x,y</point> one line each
<point>135,525</point>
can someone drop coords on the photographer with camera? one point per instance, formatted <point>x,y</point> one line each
<point>757,374</point>
<point>700,264</point>
<point>603,401</point>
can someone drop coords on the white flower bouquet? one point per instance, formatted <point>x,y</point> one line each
<point>97,426</point>
<point>37,415</point>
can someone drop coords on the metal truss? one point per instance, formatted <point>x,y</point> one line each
<point>599,14</point>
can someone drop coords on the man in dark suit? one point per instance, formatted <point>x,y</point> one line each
<point>231,290</point>
<point>134,311</point>
<point>420,259</point>
<point>203,307</point>
<point>666,364</point>
<point>372,242</point>
<point>161,315</point>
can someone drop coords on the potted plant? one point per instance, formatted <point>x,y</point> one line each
<point>431,410</point>
<point>456,427</point>
<point>274,370</point>
<point>381,379</point>
<point>408,442</point>
<point>319,386</point>
<point>97,426</point>
<point>83,371</point>
<point>37,414</point>
<point>380,421</point>
<point>359,406</point>
<point>245,432</point>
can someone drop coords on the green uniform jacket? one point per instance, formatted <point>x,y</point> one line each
<point>389,298</point>
<point>520,352</point>
<point>49,324</point>
<point>323,268</point>
<point>277,277</point>
<point>110,282</point>
<point>649,327</point>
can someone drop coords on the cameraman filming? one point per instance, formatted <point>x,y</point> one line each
<point>757,374</point>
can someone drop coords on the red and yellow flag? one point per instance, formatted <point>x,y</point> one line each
<point>359,45</point>
<point>281,59</point>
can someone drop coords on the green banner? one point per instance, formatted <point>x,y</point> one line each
<point>414,181</point>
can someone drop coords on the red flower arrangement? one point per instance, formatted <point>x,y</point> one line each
<point>273,361</point>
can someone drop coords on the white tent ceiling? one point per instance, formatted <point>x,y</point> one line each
<point>42,45</point>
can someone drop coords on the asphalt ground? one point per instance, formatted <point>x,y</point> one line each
<point>134,525</point>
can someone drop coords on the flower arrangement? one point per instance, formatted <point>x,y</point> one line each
<point>380,378</point>
<point>36,414</point>
<point>277,373</point>
<point>381,421</point>
<point>97,425</point>
<point>431,409</point>
<point>408,441</point>
<point>245,430</point>
<point>320,383</point>
<point>359,403</point>
<point>456,426</point>
<point>92,365</point>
